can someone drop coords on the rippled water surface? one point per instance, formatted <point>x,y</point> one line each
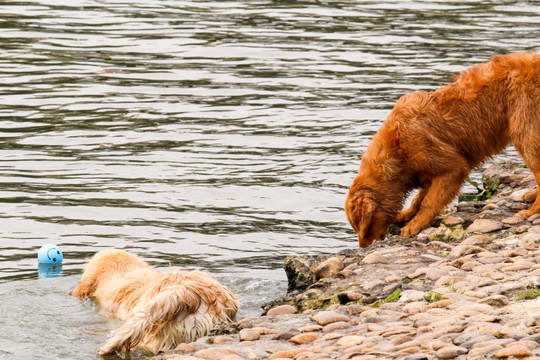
<point>220,135</point>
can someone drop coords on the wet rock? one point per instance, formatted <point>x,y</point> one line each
<point>299,275</point>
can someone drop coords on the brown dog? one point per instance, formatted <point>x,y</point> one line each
<point>432,141</point>
<point>161,310</point>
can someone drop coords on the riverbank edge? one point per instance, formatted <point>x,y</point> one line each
<point>464,288</point>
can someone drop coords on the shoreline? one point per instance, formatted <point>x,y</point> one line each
<point>466,288</point>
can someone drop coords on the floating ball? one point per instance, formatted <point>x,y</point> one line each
<point>50,254</point>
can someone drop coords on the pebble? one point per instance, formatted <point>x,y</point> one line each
<point>350,340</point>
<point>216,353</point>
<point>304,338</point>
<point>329,267</point>
<point>484,226</point>
<point>282,309</point>
<point>450,352</point>
<point>517,350</point>
<point>374,258</point>
<point>249,335</point>
<point>328,317</point>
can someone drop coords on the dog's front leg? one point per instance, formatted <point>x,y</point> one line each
<point>409,213</point>
<point>442,191</point>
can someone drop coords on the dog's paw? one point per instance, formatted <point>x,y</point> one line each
<point>409,231</point>
<point>526,213</point>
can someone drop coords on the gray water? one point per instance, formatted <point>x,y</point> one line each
<point>220,135</point>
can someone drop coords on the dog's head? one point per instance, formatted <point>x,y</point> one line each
<point>368,219</point>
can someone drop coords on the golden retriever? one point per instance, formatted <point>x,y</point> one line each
<point>432,140</point>
<point>160,310</point>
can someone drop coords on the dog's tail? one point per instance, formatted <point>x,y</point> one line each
<point>172,304</point>
<point>181,307</point>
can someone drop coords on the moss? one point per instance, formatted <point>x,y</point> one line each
<point>432,297</point>
<point>320,303</point>
<point>531,293</point>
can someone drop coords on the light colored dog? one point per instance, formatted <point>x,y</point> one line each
<point>432,141</point>
<point>161,310</point>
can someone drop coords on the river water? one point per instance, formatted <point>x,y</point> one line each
<point>220,135</point>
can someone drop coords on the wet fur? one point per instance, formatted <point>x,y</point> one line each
<point>432,140</point>
<point>161,310</point>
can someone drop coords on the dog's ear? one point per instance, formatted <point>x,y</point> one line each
<point>360,207</point>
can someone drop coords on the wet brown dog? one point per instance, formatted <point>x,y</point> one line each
<point>432,141</point>
<point>161,310</point>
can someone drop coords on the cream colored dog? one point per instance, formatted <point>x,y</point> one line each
<point>161,310</point>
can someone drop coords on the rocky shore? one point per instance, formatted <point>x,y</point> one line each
<point>465,288</point>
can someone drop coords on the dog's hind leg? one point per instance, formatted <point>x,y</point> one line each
<point>407,214</point>
<point>535,208</point>
<point>525,134</point>
<point>443,190</point>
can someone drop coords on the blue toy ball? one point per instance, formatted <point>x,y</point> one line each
<point>50,254</point>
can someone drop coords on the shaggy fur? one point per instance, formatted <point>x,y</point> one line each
<point>432,141</point>
<point>161,310</point>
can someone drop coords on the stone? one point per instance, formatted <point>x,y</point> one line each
<point>477,240</point>
<point>281,310</point>
<point>329,267</point>
<point>471,309</point>
<point>257,354</point>
<point>411,296</point>
<point>484,226</point>
<point>495,301</point>
<point>419,356</point>
<point>328,317</point>
<point>183,347</point>
<point>350,340</point>
<point>286,354</point>
<point>310,328</point>
<point>452,221</point>
<point>286,335</point>
<point>304,338</point>
<point>374,258</point>
<point>516,349</point>
<point>450,352</point>
<point>514,220</point>
<point>216,353</point>
<point>465,337</point>
<point>299,275</point>
<point>333,327</point>
<point>249,335</point>
<point>221,339</point>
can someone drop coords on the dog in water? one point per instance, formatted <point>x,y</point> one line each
<point>160,310</point>
<point>432,141</point>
